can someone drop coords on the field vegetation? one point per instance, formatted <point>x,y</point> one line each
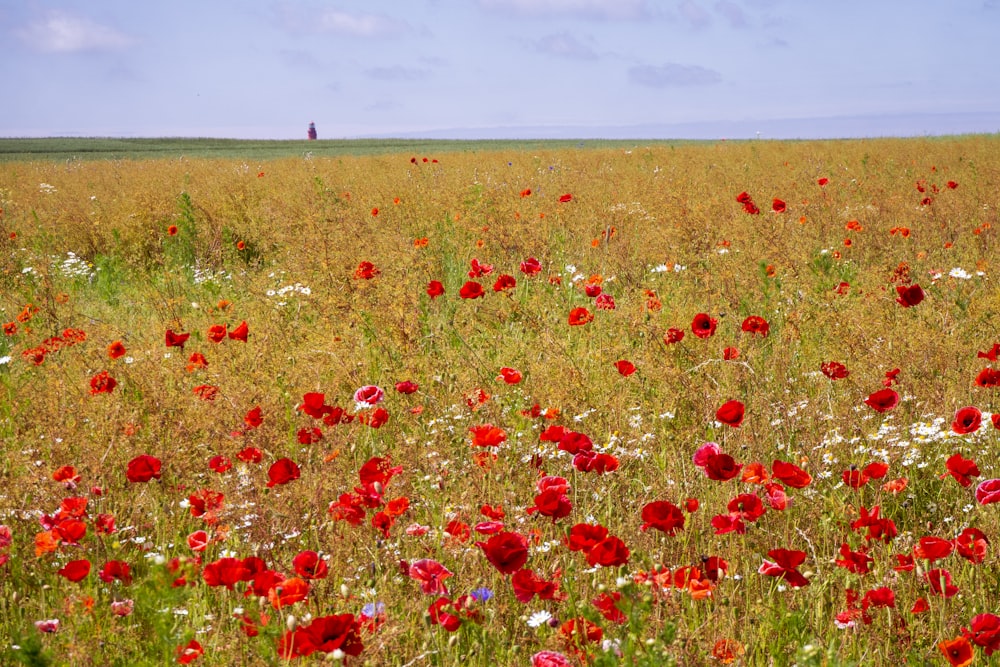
<point>725,403</point>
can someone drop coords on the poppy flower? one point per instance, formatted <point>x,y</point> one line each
<point>858,562</point>
<point>727,651</point>
<point>507,551</point>
<point>834,370</point>
<point>583,536</point>
<point>790,474</point>
<point>116,570</point>
<point>673,336</point>
<point>967,420</point>
<point>778,206</point>
<point>471,290</point>
<point>510,375</point>
<point>487,435</point>
<point>624,367</point>
<point>478,270</point>
<point>195,361</point>
<point>988,378</point>
<point>172,230</point>
<point>743,197</point>
<point>531,267</point>
<point>226,572</point>
<point>607,604</point>
<point>984,631</point>
<point>909,295</point>
<point>176,339</point>
<point>609,552</point>
<point>206,392</point>
<point>526,192</point>
<point>756,325</point>
<point>369,396</point>
<point>198,541</point>
<point>747,506</point>
<point>962,469</point>
<point>220,464</point>
<point>143,468</point>
<point>435,289</point>
<point>240,332</point>
<point>324,634</point>
<point>504,282</point>
<point>75,570</point>
<point>883,400</point>
<point>189,652</point>
<point>992,354</point>
<point>703,326</point>
<point>217,332</point>
<point>730,413</point>
<point>604,301</point>
<point>664,516</point>
<point>102,383</point>
<point>116,349</point>
<point>580,316</point>
<point>407,387</point>
<point>282,471</point>
<point>785,564</point>
<point>552,503</point>
<point>565,198</point>
<point>931,548</point>
<point>940,582</point>
<point>431,575</point>
<point>972,544</point>
<point>288,592</point>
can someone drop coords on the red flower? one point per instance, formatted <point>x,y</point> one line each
<point>703,326</point>
<point>673,336</point>
<point>858,562</point>
<point>583,536</point>
<point>253,418</point>
<point>143,468</point>
<point>507,551</point>
<point>435,289</point>
<point>744,197</point>
<point>527,585</point>
<point>220,464</point>
<point>730,413</point>
<point>565,198</point>
<point>822,180</point>
<point>116,349</point>
<point>932,548</point>
<point>282,471</point>
<point>609,552</point>
<point>471,290</point>
<point>883,400</point>
<point>431,575</point>
<point>988,378</point>
<point>102,383</point>
<point>510,375</point>
<point>552,503</point>
<point>722,467</point>
<point>790,474</point>
<point>217,332</point>
<point>778,206</point>
<point>526,192</point>
<point>909,295</point>
<point>240,332</point>
<point>834,370</point>
<point>407,387</point>
<point>756,325</point>
<point>176,339</point>
<point>250,455</point>
<point>172,230</point>
<point>324,634</point>
<point>226,572</point>
<point>940,581</point>
<point>786,562</point>
<point>206,392</point>
<point>366,270</point>
<point>531,267</point>
<point>963,470</point>
<point>984,631</point>
<point>75,570</point>
<point>189,653</point>
<point>478,270</point>
<point>580,316</point>
<point>116,569</point>
<point>198,541</point>
<point>487,435</point>
<point>662,515</point>
<point>504,282</point>
<point>967,420</point>
<point>625,367</point>
<point>992,354</point>
<point>972,545</point>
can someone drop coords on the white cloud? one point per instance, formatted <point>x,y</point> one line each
<point>673,74</point>
<point>61,32</point>
<point>359,25</point>
<point>599,9</point>
<point>396,73</point>
<point>564,45</point>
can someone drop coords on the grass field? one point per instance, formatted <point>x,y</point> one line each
<point>500,404</point>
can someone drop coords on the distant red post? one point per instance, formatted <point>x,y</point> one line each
<point>312,131</point>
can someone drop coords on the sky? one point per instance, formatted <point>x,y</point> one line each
<point>265,69</point>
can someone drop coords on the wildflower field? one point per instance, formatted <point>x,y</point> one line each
<point>725,403</point>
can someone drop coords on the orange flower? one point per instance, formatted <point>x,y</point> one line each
<point>895,486</point>
<point>172,230</point>
<point>374,211</point>
<point>727,651</point>
<point>580,316</point>
<point>755,473</point>
<point>958,651</point>
<point>420,243</point>
<point>240,245</point>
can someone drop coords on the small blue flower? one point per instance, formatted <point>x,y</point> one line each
<point>373,609</point>
<point>482,594</point>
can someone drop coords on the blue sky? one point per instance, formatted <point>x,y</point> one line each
<point>266,68</point>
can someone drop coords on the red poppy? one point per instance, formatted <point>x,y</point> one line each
<point>116,349</point>
<point>510,375</point>
<point>217,332</point>
<point>834,370</point>
<point>940,582</point>
<point>722,467</point>
<point>607,604</point>
<point>625,367</point>
<point>324,634</point>
<point>962,469</point>
<point>288,592</point>
<point>435,289</point>
<point>75,570</point>
<point>967,420</point>
<point>116,569</point>
<point>206,504</point>
<point>747,506</point>
<point>206,392</point>
<point>703,326</point>
<point>552,503</point>
<point>478,270</point>
<point>195,361</point>
<point>822,180</point>
<point>240,332</point>
<point>790,474</point>
<point>102,383</point>
<point>778,206</point>
<point>471,290</point>
<point>730,413</point>
<point>507,551</point>
<point>282,471</point>
<point>189,653</point>
<point>590,461</point>
<point>226,572</point>
<point>220,464</point>
<point>580,316</point>
<point>883,400</point>
<point>250,455</point>
<point>504,282</point>
<point>909,295</point>
<point>992,354</point>
<point>198,541</point>
<point>662,515</point>
<point>984,631</point>
<point>583,536</point>
<point>988,378</point>
<point>932,548</point>
<point>879,597</point>
<point>526,192</point>
<point>565,198</point>
<point>431,575</point>
<point>531,267</point>
<point>172,230</point>
<point>609,552</point>
<point>143,468</point>
<point>176,339</point>
<point>673,336</point>
<point>756,325</point>
<point>786,562</point>
<point>487,435</point>
<point>972,544</point>
<point>858,562</point>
